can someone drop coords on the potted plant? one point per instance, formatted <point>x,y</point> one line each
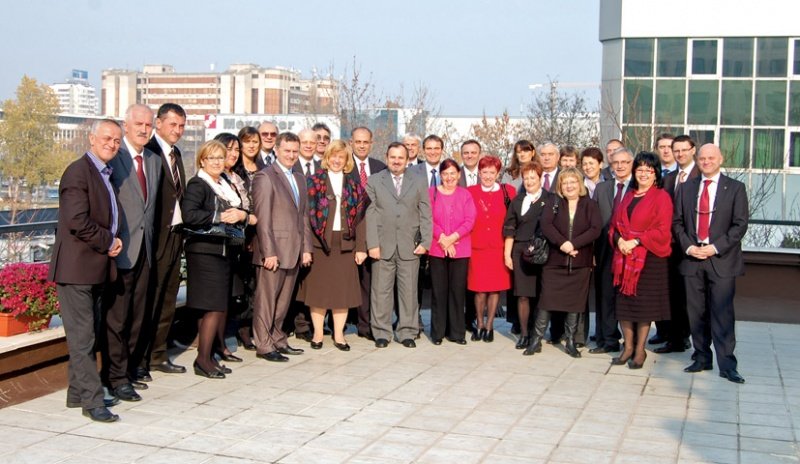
<point>27,299</point>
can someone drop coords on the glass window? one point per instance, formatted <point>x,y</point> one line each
<point>671,57</point>
<point>638,57</point>
<point>796,57</point>
<point>736,103</point>
<point>768,148</point>
<point>737,57</point>
<point>702,137</point>
<point>703,102</point>
<point>794,150</point>
<point>638,101</point>
<point>670,98</point>
<point>794,103</point>
<point>772,57</point>
<point>770,103</point>
<point>636,138</point>
<point>704,57</point>
<point>735,146</point>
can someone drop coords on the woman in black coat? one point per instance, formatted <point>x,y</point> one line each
<point>521,224</point>
<point>209,200</point>
<point>571,225</point>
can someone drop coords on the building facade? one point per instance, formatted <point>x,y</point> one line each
<point>723,71</point>
<point>77,96</point>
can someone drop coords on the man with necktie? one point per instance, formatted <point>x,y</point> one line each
<point>281,246</point>
<point>710,220</point>
<point>269,134</point>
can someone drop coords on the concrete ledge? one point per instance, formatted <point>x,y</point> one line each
<point>32,365</point>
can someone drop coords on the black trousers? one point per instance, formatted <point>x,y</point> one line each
<point>80,312</point>
<point>448,287</point>
<point>606,329</point>
<point>709,300</point>
<point>165,284</point>
<point>124,303</point>
<point>365,279</point>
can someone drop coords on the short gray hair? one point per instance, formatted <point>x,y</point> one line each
<point>413,136</point>
<point>96,125</point>
<point>137,106</point>
<point>544,145</point>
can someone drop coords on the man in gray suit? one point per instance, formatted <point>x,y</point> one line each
<point>399,230</point>
<point>608,195</point>
<point>282,244</point>
<point>136,174</point>
<point>433,146</point>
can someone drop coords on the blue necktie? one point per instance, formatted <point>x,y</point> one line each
<point>294,187</point>
<point>434,181</point>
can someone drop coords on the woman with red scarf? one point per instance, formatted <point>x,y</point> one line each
<point>336,205</point>
<point>640,233</point>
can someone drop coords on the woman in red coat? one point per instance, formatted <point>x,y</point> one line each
<point>488,275</point>
<point>640,234</point>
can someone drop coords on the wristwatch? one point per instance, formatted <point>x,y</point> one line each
<point>638,242</point>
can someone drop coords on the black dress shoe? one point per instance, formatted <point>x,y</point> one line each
<point>601,349</point>
<point>732,375</point>
<point>697,366</point>
<point>656,340</point>
<point>125,392</point>
<point>273,356</point>
<point>409,343</point>
<point>168,368</point>
<point>437,342</point>
<point>533,348</point>
<point>669,348</point>
<point>304,336</point>
<point>381,343</point>
<point>142,375</point>
<point>571,350</point>
<point>231,358</point>
<point>342,346</point>
<point>139,385</point>
<point>459,341</point>
<point>212,374</point>
<point>100,415</point>
<point>289,350</point>
<point>316,345</point>
<point>363,335</point>
<point>107,402</point>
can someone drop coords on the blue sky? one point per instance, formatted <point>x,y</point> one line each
<point>475,56</point>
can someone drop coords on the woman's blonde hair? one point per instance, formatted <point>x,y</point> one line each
<point>338,146</point>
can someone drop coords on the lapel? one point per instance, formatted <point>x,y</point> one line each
<point>129,172</point>
<point>285,182</point>
<point>690,190</point>
<point>102,197</point>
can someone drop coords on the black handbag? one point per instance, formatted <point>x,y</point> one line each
<point>537,251</point>
<point>233,234</point>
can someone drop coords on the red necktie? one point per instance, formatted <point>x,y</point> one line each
<point>140,175</point>
<point>547,181</point>
<point>704,213</point>
<point>618,196</point>
<point>362,172</point>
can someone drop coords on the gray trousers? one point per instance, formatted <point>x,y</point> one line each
<point>80,311</point>
<point>384,274</point>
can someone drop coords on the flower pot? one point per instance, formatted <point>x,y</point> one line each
<point>9,325</point>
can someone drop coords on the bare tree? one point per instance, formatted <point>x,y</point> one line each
<point>497,136</point>
<point>563,119</point>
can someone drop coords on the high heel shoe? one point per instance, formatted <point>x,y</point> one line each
<point>634,365</point>
<point>621,359</point>
<point>488,336</point>
<point>229,358</point>
<point>247,345</point>
<point>215,374</point>
<point>342,346</point>
<point>476,336</point>
<point>316,345</point>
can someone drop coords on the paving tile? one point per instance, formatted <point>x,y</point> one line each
<point>765,432</point>
<point>450,456</point>
<point>707,454</point>
<point>768,446</point>
<point>752,457</point>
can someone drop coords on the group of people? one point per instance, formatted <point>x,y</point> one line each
<point>280,228</point>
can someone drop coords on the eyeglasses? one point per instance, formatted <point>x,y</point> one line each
<point>215,158</point>
<point>269,134</point>
<point>645,171</point>
<point>323,138</point>
<point>621,162</point>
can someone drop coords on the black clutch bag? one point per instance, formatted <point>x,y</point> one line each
<point>537,250</point>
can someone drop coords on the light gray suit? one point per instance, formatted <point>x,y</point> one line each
<point>125,299</point>
<point>393,223</point>
<point>283,230</point>
<point>423,169</point>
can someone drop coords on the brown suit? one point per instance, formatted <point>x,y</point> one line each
<point>81,267</point>
<point>283,230</point>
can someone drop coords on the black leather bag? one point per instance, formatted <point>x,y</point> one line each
<point>233,234</point>
<point>537,251</point>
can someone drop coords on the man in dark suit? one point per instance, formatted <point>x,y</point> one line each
<point>710,220</point>
<point>136,176</point>
<point>82,263</point>
<point>398,214</point>
<point>170,124</point>
<point>269,134</point>
<point>608,195</point>
<point>412,143</point>
<point>323,133</point>
<point>470,156</point>
<point>282,244</point>
<point>611,146</point>
<point>675,332</point>
<point>364,166</point>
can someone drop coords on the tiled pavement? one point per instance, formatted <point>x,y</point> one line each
<point>482,402</point>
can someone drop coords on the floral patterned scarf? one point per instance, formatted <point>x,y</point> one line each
<point>354,200</point>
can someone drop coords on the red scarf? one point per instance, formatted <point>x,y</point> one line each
<point>653,207</point>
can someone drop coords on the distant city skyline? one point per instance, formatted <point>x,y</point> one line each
<point>473,56</point>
